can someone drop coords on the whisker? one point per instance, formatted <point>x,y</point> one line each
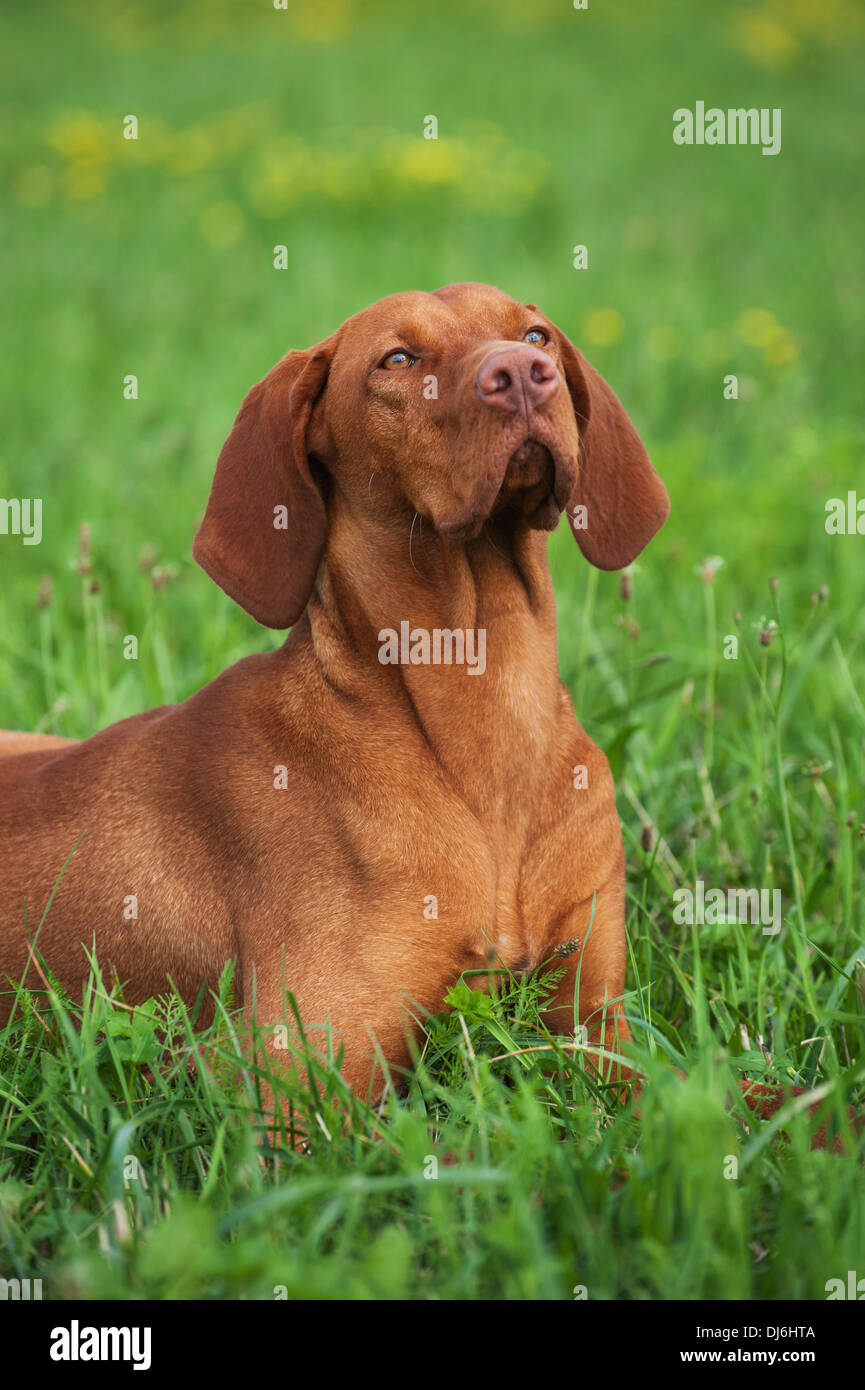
<point>488,539</point>
<point>415,518</point>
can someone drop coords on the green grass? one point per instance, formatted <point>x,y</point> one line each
<point>155,258</point>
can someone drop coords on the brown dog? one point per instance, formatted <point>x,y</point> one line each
<point>348,817</point>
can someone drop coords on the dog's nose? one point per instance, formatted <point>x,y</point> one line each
<point>517,378</point>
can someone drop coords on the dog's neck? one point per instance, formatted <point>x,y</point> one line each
<point>381,597</point>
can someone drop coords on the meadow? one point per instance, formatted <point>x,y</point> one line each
<point>499,1168</point>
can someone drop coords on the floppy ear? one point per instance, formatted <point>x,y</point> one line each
<point>625,500</point>
<point>264,529</point>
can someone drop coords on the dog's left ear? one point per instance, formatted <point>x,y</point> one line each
<point>265,526</point>
<point>624,499</point>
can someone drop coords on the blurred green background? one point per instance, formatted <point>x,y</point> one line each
<point>304,127</point>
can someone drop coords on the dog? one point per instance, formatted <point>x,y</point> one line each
<point>347,817</point>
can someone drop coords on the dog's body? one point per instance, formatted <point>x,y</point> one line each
<point>178,808</point>
<point>357,832</point>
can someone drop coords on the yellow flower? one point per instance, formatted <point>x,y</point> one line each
<point>82,136</point>
<point>782,350</point>
<point>431,161</point>
<point>603,326</point>
<point>761,329</point>
<point>778,32</point>
<point>764,40</point>
<point>757,327</point>
<point>323,20</point>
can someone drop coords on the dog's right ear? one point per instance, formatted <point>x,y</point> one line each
<point>625,500</point>
<point>264,529</point>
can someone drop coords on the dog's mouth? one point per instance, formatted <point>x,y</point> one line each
<point>529,467</point>
<point>535,485</point>
<point>529,486</point>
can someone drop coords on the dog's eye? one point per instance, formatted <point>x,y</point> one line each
<point>398,361</point>
<point>535,335</point>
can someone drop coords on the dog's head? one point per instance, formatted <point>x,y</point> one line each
<point>460,407</point>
